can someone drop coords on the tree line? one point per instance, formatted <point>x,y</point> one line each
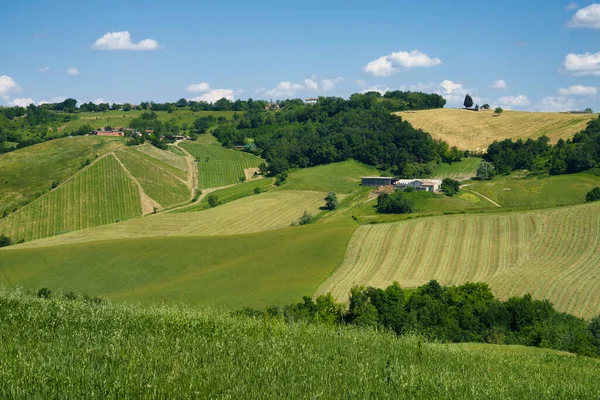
<point>465,313</point>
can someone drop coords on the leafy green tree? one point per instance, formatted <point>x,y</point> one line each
<point>498,110</point>
<point>331,201</point>
<point>468,103</point>
<point>5,241</point>
<point>360,311</point>
<point>305,219</point>
<point>486,171</point>
<point>127,107</point>
<point>588,110</point>
<point>486,106</point>
<point>450,186</point>
<point>593,195</point>
<point>394,203</point>
<point>213,200</point>
<point>258,190</point>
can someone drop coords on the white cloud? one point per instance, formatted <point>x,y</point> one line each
<point>419,87</point>
<point>72,71</point>
<point>588,17</point>
<point>23,102</point>
<point>8,85</point>
<point>578,90</point>
<point>53,100</point>
<point>514,101</point>
<point>289,89</point>
<point>198,87</point>
<point>216,94</point>
<point>450,87</point>
<point>571,6</point>
<point>582,64</point>
<point>99,100</point>
<point>122,41</point>
<point>557,104</point>
<point>44,69</point>
<point>394,62</point>
<point>500,84</point>
<point>365,87</point>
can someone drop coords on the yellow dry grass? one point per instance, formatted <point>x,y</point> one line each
<point>267,211</point>
<point>470,130</point>
<point>553,254</point>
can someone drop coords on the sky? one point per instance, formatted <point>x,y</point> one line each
<point>522,55</point>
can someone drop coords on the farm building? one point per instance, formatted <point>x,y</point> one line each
<point>179,137</point>
<point>378,180</point>
<point>312,100</point>
<point>114,132</point>
<point>430,185</point>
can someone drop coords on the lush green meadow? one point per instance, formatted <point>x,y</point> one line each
<point>167,157</point>
<point>159,180</point>
<point>342,177</point>
<point>100,194</point>
<point>462,170</point>
<point>76,349</point>
<point>266,211</point>
<point>253,270</point>
<point>469,130</point>
<point>552,254</point>
<point>218,166</point>
<point>31,170</point>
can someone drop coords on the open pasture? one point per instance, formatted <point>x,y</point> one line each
<point>157,179</point>
<point>462,170</point>
<point>551,254</point>
<point>101,194</point>
<point>267,211</point>
<point>470,130</point>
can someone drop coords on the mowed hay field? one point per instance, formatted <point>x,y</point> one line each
<point>253,270</point>
<point>30,170</point>
<point>167,157</point>
<point>461,170</point>
<point>100,194</point>
<point>553,254</point>
<point>262,212</point>
<point>470,130</point>
<point>159,180</point>
<point>218,166</point>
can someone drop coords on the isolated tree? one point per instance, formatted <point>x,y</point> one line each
<point>213,200</point>
<point>486,106</point>
<point>486,171</point>
<point>498,110</point>
<point>5,241</point>
<point>450,186</point>
<point>468,103</point>
<point>593,195</point>
<point>476,107</point>
<point>331,201</point>
<point>588,110</point>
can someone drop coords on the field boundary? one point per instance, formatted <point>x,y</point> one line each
<point>148,203</point>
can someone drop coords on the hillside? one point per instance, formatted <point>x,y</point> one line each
<point>470,130</point>
<point>77,349</point>
<point>552,254</point>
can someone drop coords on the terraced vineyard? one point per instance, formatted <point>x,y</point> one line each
<point>218,166</point>
<point>101,194</point>
<point>551,254</point>
<point>165,156</point>
<point>267,211</point>
<point>155,177</point>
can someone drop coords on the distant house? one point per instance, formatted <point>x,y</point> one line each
<point>272,106</point>
<point>429,185</point>
<point>113,132</point>
<point>311,100</point>
<point>378,180</point>
<point>149,131</point>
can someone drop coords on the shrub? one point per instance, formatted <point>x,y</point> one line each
<point>593,195</point>
<point>213,200</point>
<point>486,171</point>
<point>305,219</point>
<point>331,201</point>
<point>44,293</point>
<point>54,185</point>
<point>450,186</point>
<point>257,190</point>
<point>395,203</point>
<point>5,241</point>
<point>409,189</point>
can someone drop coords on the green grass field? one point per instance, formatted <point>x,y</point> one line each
<point>101,194</point>
<point>469,130</point>
<point>342,177</point>
<point>266,211</point>
<point>462,170</point>
<point>78,350</point>
<point>167,157</point>
<point>218,166</point>
<point>552,254</point>
<point>44,163</point>
<point>158,179</point>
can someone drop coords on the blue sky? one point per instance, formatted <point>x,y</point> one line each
<point>533,55</point>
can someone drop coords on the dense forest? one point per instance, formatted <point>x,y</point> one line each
<point>466,313</point>
<point>335,129</point>
<point>581,153</point>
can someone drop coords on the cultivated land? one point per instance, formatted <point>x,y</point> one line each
<point>31,170</point>
<point>218,166</point>
<point>77,350</point>
<point>253,270</point>
<point>470,130</point>
<point>462,170</point>
<point>267,211</point>
<point>100,194</point>
<point>552,254</point>
<point>168,157</point>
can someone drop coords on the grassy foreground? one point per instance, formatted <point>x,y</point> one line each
<point>470,130</point>
<point>80,350</point>
<point>253,270</point>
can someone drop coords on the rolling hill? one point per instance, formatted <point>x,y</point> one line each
<point>552,254</point>
<point>470,130</point>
